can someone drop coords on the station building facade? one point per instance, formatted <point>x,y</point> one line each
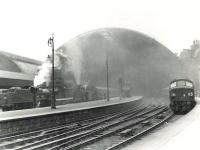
<point>191,60</point>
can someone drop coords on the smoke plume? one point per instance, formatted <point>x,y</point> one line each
<point>74,60</point>
<point>67,59</point>
<point>44,74</point>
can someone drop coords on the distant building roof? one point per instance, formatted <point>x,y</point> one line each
<point>186,53</point>
<point>21,58</point>
<point>17,70</point>
<point>193,52</point>
<point>15,75</point>
<point>7,64</point>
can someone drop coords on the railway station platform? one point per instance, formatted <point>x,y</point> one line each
<point>21,120</point>
<point>181,133</point>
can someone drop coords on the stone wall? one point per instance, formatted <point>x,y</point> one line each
<point>41,122</point>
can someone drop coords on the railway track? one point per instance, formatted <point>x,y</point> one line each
<point>138,135</point>
<point>41,136</point>
<point>109,133</point>
<point>97,133</point>
<point>83,134</point>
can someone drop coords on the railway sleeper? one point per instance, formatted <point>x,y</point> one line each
<point>161,116</point>
<point>146,123</point>
<point>128,132</point>
<point>76,144</point>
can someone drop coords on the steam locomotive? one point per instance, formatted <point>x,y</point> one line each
<point>90,93</point>
<point>17,98</point>
<point>182,97</point>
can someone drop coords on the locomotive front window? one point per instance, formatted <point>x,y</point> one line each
<point>5,91</point>
<point>180,83</point>
<point>189,84</point>
<point>173,85</point>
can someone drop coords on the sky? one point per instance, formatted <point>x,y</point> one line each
<point>26,25</point>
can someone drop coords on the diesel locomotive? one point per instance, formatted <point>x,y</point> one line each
<point>182,96</point>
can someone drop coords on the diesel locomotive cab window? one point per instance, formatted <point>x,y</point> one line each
<point>173,85</point>
<point>189,84</point>
<point>180,83</point>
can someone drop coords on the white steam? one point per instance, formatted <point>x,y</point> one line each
<point>74,55</point>
<point>44,74</point>
<point>67,58</point>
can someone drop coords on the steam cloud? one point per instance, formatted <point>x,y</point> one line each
<point>74,55</point>
<point>67,59</point>
<point>44,74</point>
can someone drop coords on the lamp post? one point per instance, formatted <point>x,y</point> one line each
<point>108,37</point>
<point>107,77</point>
<point>53,99</point>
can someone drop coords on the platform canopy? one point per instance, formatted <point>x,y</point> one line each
<point>16,71</point>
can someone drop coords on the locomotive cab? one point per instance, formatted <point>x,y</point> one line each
<point>181,94</point>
